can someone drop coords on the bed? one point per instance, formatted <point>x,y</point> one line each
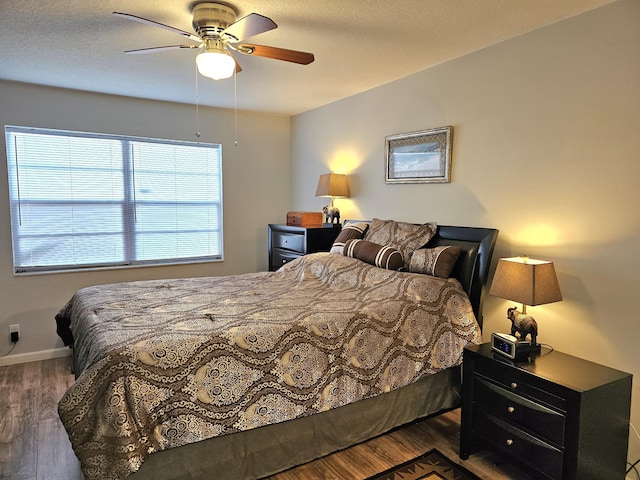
<point>248,375</point>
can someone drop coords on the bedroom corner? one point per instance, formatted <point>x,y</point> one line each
<point>257,169</point>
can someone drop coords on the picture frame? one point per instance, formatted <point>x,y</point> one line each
<point>419,157</point>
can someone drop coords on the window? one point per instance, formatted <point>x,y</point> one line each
<point>82,200</point>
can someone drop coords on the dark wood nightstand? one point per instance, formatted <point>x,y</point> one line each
<point>555,415</point>
<point>287,243</point>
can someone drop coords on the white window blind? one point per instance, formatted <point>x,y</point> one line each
<point>82,200</point>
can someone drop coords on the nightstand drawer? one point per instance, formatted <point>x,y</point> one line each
<point>519,383</point>
<point>519,410</point>
<point>288,241</point>
<point>531,451</point>
<point>280,257</point>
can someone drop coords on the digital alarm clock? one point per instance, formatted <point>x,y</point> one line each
<point>511,347</point>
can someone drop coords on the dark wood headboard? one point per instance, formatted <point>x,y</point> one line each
<point>472,267</point>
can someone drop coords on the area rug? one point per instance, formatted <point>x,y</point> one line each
<point>431,466</point>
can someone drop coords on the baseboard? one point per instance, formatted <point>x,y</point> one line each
<point>35,356</point>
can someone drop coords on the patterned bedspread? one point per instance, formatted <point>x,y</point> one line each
<point>171,362</point>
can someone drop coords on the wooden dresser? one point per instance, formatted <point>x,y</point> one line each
<point>287,242</point>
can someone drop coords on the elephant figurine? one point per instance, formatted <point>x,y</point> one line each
<point>332,213</point>
<point>523,324</point>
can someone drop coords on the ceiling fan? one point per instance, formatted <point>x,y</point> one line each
<point>218,35</point>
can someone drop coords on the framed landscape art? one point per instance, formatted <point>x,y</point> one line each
<point>419,157</point>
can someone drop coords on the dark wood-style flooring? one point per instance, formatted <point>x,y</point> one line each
<point>34,444</point>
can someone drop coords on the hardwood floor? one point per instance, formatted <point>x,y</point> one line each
<point>34,444</point>
<point>381,453</point>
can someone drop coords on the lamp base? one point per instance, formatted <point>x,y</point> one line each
<point>527,349</point>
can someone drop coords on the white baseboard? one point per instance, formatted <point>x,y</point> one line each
<point>35,356</point>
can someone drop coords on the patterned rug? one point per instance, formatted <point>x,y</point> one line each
<point>431,466</point>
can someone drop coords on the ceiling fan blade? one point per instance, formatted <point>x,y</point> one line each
<point>158,49</point>
<point>294,56</point>
<point>146,21</point>
<point>249,26</point>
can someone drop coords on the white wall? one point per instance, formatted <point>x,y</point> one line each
<point>256,179</point>
<point>546,148</point>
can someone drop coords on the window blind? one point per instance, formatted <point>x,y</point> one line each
<point>83,200</point>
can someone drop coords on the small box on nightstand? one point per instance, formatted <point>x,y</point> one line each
<point>305,219</point>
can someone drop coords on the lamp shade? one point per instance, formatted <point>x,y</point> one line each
<point>526,281</point>
<point>332,185</point>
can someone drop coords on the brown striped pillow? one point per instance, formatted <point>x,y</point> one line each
<point>379,255</point>
<point>349,231</point>
<point>404,237</point>
<point>438,261</point>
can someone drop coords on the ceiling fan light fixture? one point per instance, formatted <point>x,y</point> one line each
<point>217,31</point>
<point>215,63</point>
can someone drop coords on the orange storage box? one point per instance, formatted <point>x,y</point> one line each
<point>305,219</point>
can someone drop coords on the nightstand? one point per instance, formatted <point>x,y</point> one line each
<point>287,243</point>
<point>555,415</point>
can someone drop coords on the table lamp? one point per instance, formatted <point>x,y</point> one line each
<point>529,282</point>
<point>332,185</point>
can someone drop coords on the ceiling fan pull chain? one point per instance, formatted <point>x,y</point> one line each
<point>197,106</point>
<point>235,107</point>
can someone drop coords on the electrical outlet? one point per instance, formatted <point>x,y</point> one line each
<point>14,333</point>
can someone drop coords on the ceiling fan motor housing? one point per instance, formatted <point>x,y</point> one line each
<point>210,19</point>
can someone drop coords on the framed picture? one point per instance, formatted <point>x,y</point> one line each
<point>419,157</point>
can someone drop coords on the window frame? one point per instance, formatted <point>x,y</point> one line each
<point>128,205</point>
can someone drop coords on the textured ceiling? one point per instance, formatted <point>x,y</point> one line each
<point>358,44</point>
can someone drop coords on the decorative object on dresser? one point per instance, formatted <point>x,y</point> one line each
<point>529,282</point>
<point>304,219</point>
<point>332,185</point>
<point>419,157</point>
<point>332,213</point>
<point>556,415</point>
<point>288,242</point>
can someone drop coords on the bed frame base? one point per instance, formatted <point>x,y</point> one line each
<point>268,450</point>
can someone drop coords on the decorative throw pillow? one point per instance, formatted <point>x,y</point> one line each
<point>403,236</point>
<point>349,231</point>
<point>438,261</point>
<point>374,254</point>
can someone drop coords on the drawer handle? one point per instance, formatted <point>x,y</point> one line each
<point>514,385</point>
<point>511,409</point>
<point>509,442</point>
